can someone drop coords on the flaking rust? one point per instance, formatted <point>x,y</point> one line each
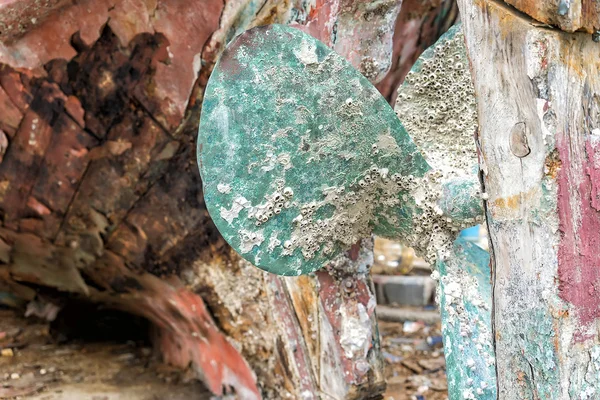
<point>301,157</point>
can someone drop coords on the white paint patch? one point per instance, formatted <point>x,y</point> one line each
<point>356,332</point>
<point>282,133</point>
<point>196,63</point>
<point>273,241</point>
<point>386,142</point>
<point>307,53</point>
<point>271,161</point>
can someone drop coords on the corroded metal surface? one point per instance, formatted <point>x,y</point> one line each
<point>301,157</point>
<point>293,168</point>
<point>465,296</point>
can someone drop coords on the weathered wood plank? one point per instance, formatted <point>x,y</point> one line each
<point>539,87</point>
<point>61,171</point>
<point>568,15</point>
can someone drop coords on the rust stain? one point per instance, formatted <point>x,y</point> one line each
<point>511,202</point>
<point>572,19</point>
<point>305,300</point>
<point>271,15</point>
<point>556,340</point>
<point>552,164</point>
<point>4,186</point>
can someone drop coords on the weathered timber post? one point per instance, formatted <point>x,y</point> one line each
<point>538,101</point>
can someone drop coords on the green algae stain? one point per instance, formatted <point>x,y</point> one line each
<point>300,155</point>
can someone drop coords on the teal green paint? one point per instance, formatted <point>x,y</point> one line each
<point>282,113</point>
<point>466,304</point>
<point>458,201</point>
<point>281,110</point>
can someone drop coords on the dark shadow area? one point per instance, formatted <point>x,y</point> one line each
<point>81,321</point>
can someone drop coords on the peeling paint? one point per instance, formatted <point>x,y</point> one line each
<point>465,297</point>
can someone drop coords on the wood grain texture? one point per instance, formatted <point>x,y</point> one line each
<point>568,15</point>
<point>541,206</point>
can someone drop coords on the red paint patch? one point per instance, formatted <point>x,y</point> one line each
<point>321,20</point>
<point>333,299</point>
<point>188,336</point>
<point>578,205</point>
<point>229,62</point>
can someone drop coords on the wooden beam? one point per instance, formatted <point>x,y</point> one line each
<point>539,89</point>
<point>568,15</point>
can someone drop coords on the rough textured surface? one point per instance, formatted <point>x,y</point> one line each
<point>263,163</point>
<point>419,24</point>
<point>62,360</point>
<point>19,16</point>
<point>465,296</point>
<point>541,206</point>
<point>288,189</point>
<point>367,44</point>
<point>98,107</point>
<point>104,198</point>
<point>568,15</point>
<point>436,105</point>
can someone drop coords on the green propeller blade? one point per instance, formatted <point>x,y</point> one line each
<point>301,157</point>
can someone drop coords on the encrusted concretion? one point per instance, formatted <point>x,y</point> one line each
<point>310,149</point>
<point>436,105</point>
<point>301,158</point>
<point>465,296</point>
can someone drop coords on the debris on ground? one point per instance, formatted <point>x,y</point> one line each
<point>414,357</point>
<point>40,364</point>
<point>37,364</point>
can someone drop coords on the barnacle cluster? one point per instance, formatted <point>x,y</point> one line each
<point>437,106</point>
<point>276,202</point>
<point>352,220</point>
